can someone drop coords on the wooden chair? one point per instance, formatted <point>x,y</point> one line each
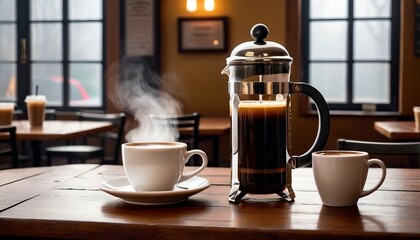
<point>50,114</point>
<point>85,151</point>
<point>383,148</point>
<point>187,125</point>
<point>11,141</point>
<point>18,114</point>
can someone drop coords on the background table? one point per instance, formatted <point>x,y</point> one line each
<point>398,130</point>
<point>213,129</point>
<point>56,130</point>
<point>65,202</point>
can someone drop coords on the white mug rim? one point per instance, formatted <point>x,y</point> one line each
<point>164,144</point>
<point>346,153</point>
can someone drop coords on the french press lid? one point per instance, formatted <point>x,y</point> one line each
<point>258,57</point>
<point>258,51</point>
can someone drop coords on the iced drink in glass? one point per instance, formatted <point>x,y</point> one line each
<point>36,109</point>
<point>6,113</point>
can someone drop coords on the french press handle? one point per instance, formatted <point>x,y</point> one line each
<point>323,122</point>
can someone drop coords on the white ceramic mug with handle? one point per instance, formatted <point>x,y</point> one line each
<point>158,166</point>
<point>340,176</point>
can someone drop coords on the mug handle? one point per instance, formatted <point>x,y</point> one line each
<point>382,165</point>
<point>323,122</point>
<point>187,157</point>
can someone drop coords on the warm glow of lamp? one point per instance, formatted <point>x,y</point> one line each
<point>191,5</point>
<point>209,5</point>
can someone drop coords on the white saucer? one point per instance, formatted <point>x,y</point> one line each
<point>121,188</point>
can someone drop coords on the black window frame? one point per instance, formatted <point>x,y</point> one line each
<point>393,105</point>
<point>23,70</point>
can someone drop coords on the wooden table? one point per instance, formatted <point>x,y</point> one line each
<point>56,130</point>
<point>65,202</point>
<point>398,130</point>
<point>213,128</point>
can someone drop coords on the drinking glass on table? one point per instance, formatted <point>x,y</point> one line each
<point>6,113</point>
<point>36,109</point>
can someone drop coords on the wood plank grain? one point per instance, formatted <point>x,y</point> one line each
<point>13,175</point>
<point>70,205</point>
<point>210,209</point>
<point>26,188</point>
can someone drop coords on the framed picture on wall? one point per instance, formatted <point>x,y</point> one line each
<point>202,34</point>
<point>140,33</point>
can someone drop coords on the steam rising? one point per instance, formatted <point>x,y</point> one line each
<point>139,94</point>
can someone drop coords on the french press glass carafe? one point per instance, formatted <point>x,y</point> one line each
<point>259,88</point>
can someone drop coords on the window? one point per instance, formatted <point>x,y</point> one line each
<point>351,51</point>
<point>8,50</point>
<point>55,45</point>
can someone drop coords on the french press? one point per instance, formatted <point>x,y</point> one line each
<point>259,87</point>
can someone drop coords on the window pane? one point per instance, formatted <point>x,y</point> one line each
<point>328,8</point>
<point>7,10</point>
<point>82,9</point>
<point>371,83</point>
<point>49,79</point>
<point>8,42</point>
<point>328,40</point>
<point>330,80</point>
<point>8,85</point>
<point>372,40</point>
<point>372,8</point>
<point>46,41</point>
<point>86,41</point>
<point>46,10</point>
<point>86,84</point>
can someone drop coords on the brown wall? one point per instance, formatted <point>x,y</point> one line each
<point>202,88</point>
<point>409,64</point>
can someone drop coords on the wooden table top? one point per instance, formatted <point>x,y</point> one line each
<point>65,202</point>
<point>398,130</point>
<point>59,129</point>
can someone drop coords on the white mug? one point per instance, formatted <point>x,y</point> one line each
<point>158,166</point>
<point>340,176</point>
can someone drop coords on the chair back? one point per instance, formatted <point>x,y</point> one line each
<point>12,142</point>
<point>18,114</point>
<point>383,148</point>
<point>188,127</point>
<point>118,121</point>
<point>50,114</point>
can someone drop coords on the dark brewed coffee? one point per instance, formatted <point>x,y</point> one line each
<point>262,146</point>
